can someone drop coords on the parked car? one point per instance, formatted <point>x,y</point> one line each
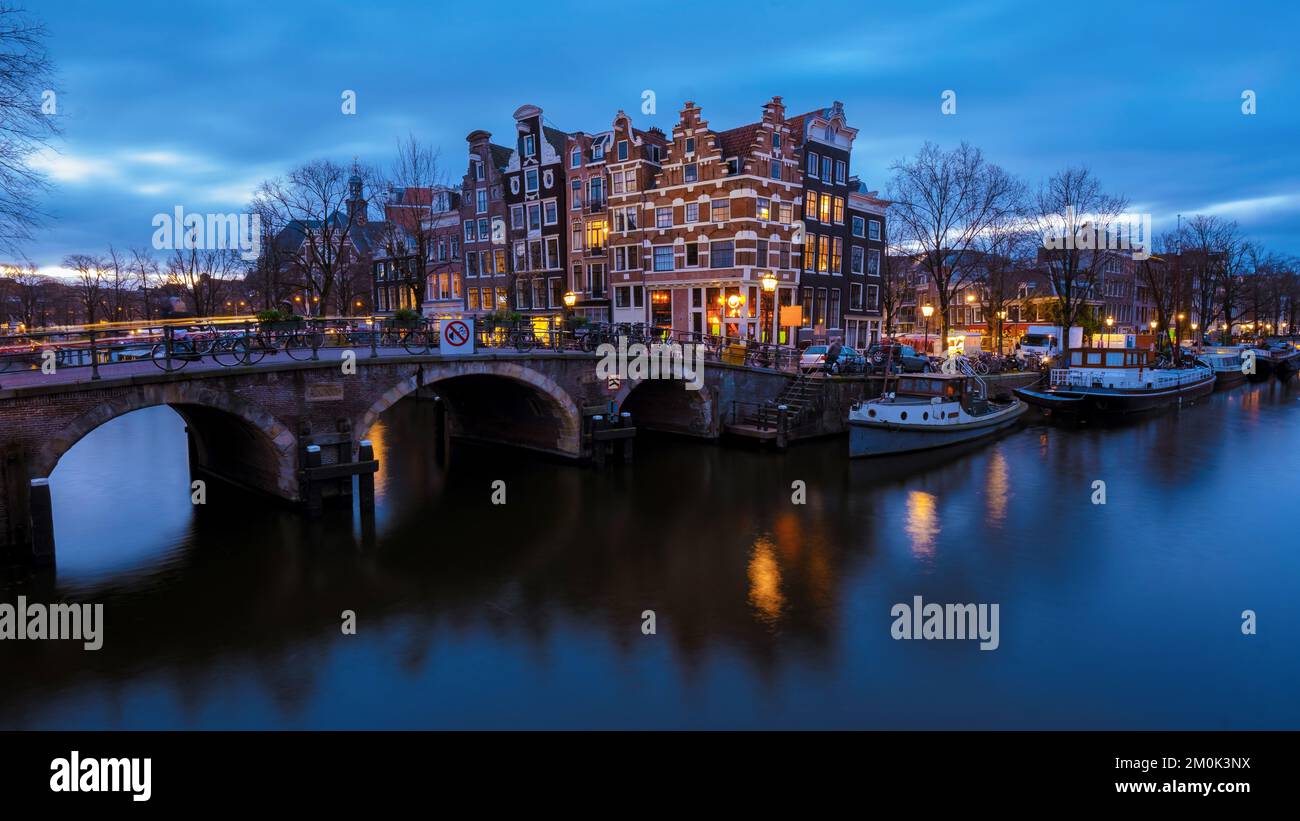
<point>906,359</point>
<point>850,360</point>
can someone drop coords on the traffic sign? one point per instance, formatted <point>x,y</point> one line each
<point>614,383</point>
<point>457,337</point>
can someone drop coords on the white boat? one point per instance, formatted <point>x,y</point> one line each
<point>926,411</point>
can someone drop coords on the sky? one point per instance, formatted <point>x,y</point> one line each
<point>192,104</point>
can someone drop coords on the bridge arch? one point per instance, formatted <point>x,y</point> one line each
<point>230,437</point>
<point>666,405</point>
<point>558,430</point>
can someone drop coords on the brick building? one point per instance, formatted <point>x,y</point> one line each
<point>483,213</point>
<point>535,193</point>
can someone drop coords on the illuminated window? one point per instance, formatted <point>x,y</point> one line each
<point>764,208</point>
<point>810,206</point>
<point>839,210</point>
<point>825,208</point>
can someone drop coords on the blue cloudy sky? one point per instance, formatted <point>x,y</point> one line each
<point>193,103</point>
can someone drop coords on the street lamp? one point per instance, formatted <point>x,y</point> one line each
<point>1110,324</point>
<point>927,311</point>
<point>1002,318</point>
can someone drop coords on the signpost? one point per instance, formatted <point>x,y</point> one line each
<point>457,337</point>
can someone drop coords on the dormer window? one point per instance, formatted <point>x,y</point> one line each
<point>478,169</point>
<point>575,158</point>
<point>690,145</point>
<point>530,145</point>
<point>598,151</point>
<point>776,142</point>
<point>622,150</point>
<point>733,166</point>
<point>654,153</point>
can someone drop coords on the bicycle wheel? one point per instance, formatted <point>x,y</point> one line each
<point>524,341</point>
<point>248,350</point>
<point>159,356</point>
<point>416,342</point>
<point>301,345</point>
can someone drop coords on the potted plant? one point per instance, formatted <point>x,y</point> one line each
<point>279,320</point>
<point>405,318</point>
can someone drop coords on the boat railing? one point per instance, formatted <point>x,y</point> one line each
<point>1073,378</point>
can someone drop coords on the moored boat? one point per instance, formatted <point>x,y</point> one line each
<point>1272,358</point>
<point>927,411</point>
<point>1118,381</point>
<point>1226,362</point>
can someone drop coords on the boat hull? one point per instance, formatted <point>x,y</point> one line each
<point>1109,401</point>
<point>870,438</point>
<point>1225,380</point>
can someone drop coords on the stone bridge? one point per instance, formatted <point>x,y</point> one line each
<point>251,426</point>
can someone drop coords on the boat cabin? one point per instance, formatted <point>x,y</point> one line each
<point>1111,358</point>
<point>968,391</point>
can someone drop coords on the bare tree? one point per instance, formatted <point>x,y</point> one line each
<point>205,275</point>
<point>145,269</point>
<point>944,200</point>
<point>1071,212</point>
<point>312,202</point>
<point>26,75</point>
<point>409,186</point>
<point>894,274</point>
<point>27,286</point>
<point>117,285</point>
<point>1003,248</point>
<point>89,284</point>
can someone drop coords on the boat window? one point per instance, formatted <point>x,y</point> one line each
<point>1093,357</point>
<point>1114,358</point>
<point>1076,358</point>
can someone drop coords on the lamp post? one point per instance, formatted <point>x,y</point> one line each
<point>769,306</point>
<point>927,311</point>
<point>1110,323</point>
<point>1002,318</point>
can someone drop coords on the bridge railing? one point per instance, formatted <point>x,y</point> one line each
<point>172,346</point>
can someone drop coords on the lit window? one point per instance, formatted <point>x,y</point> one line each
<point>764,209</point>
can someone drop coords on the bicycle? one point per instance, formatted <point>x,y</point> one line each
<point>302,345</point>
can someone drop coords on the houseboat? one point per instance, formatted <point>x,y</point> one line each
<point>925,411</point>
<point>1273,358</point>
<point>1118,381</point>
<point>1226,362</point>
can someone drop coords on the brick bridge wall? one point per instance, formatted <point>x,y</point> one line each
<point>250,425</point>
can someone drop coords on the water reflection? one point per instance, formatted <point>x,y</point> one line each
<point>528,614</point>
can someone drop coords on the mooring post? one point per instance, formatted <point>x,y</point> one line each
<point>374,337</point>
<point>597,445</point>
<point>366,481</point>
<point>314,504</point>
<point>42,513</point>
<point>627,443</point>
<point>782,427</point>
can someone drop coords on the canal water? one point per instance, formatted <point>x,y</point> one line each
<point>767,613</point>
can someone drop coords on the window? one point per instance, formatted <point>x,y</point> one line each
<point>785,213</point>
<point>839,211</point>
<point>484,230</point>
<point>627,258</point>
<point>473,299</point>
<point>530,180</point>
<point>807,302</point>
<point>826,169</point>
<point>841,169</point>
<point>834,319</point>
<point>663,217</point>
<point>596,188</point>
<point>722,254</point>
<point>478,169</point>
<point>690,145</point>
<point>762,254</point>
<point>470,234</point>
<point>733,167</point>
<point>598,151</point>
<point>500,254</point>
<point>516,216</point>
<point>654,153</point>
<point>764,209</point>
<point>855,295</point>
<point>776,142</point>
<point>692,255</point>
<point>837,256</point>
<point>471,265</point>
<point>663,260</point>
<point>575,158</point>
<point>784,255</point>
<point>774,169</point>
<point>575,194</point>
<point>622,149</point>
<point>875,229</point>
<point>873,298</point>
<point>721,211</point>
<point>690,173</point>
<point>858,226</point>
<point>617,185</point>
<point>534,217</point>
<point>576,239</point>
<point>481,201</point>
<point>824,208</point>
<point>535,255</point>
<point>550,213</point>
<point>521,256</point>
<point>623,296</point>
<point>552,252</point>
<point>631,181</point>
<point>597,233</point>
<point>856,260</point>
<point>485,263</point>
<point>812,164</point>
<point>530,145</point>
<point>810,206</point>
<point>873,263</point>
<point>823,255</point>
<point>809,252</point>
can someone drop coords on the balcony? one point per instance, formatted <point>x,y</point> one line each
<point>596,206</point>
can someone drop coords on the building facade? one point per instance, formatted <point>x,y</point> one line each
<point>484,237</point>
<point>535,195</point>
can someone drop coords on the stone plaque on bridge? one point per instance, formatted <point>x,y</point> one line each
<point>325,392</point>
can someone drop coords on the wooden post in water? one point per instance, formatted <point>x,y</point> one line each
<point>366,481</point>
<point>312,460</point>
<point>42,513</point>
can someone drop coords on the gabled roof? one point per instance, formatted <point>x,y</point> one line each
<point>556,138</point>
<point>738,141</point>
<point>500,155</point>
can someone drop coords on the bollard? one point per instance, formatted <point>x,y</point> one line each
<point>627,443</point>
<point>314,503</point>
<point>597,446</point>
<point>42,512</point>
<point>782,427</point>
<point>374,338</point>
<point>366,481</point>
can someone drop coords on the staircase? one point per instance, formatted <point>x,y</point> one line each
<point>801,396</point>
